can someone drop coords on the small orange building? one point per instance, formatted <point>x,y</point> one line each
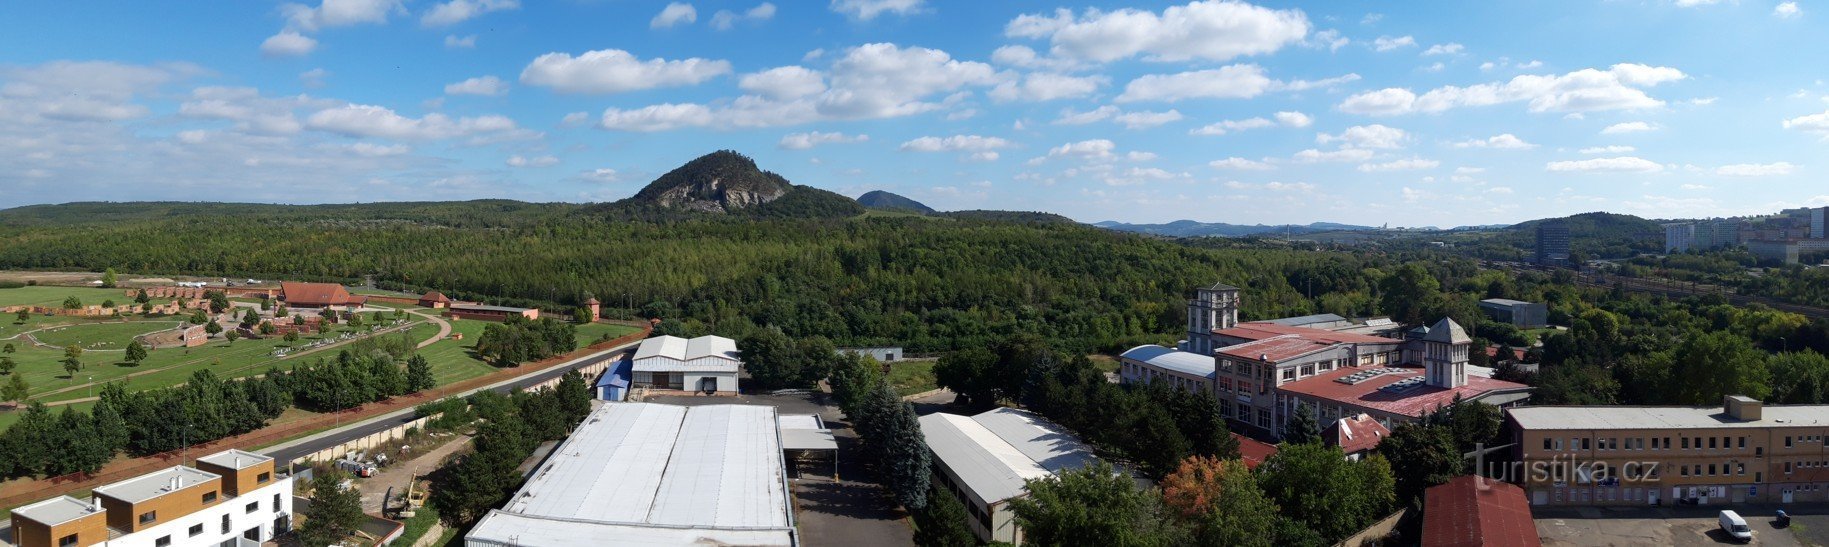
<point>435,300</point>
<point>498,314</point>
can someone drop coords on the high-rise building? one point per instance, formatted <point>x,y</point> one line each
<point>1213,308</point>
<point>1553,242</point>
<point>1819,221</point>
<point>1679,238</point>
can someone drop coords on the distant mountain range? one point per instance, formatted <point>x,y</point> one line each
<point>878,199</point>
<point>1190,228</point>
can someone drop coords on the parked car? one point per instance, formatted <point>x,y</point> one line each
<point>1735,526</point>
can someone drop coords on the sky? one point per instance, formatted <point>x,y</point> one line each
<point>1398,113</point>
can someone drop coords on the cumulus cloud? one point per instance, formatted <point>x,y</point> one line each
<point>1087,149</point>
<point>1144,120</point>
<point>1071,117</point>
<point>453,41</point>
<point>1228,82</point>
<point>1343,155</point>
<point>1617,88</point>
<point>616,71</point>
<point>1387,43</point>
<point>804,141</point>
<point>1038,86</point>
<point>784,83</point>
<point>675,14</point>
<point>1609,149</point>
<point>251,112</point>
<point>1504,141</point>
<point>1241,164</point>
<point>338,13</point>
<point>1621,164</point>
<point>1022,56</point>
<point>1294,119</point>
<point>487,86</point>
<point>955,143</point>
<point>1410,164</point>
<point>1367,136</point>
<point>536,161</point>
<point>601,175</point>
<point>288,43</point>
<point>1285,119</point>
<point>1444,49</point>
<point>660,117</point>
<point>725,19</point>
<point>1209,30</point>
<point>1139,175</point>
<point>458,11</point>
<point>1628,127</point>
<point>1813,123</point>
<point>313,78</point>
<point>359,120</point>
<point>1787,10</point>
<point>1756,169</point>
<point>869,9</point>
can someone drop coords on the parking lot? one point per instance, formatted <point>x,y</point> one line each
<point>851,511</point>
<point>1683,526</point>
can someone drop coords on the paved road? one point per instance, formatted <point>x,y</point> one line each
<point>287,452</point>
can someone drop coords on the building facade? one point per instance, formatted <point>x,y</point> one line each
<point>1213,308</point>
<point>1819,223</point>
<point>985,460</point>
<point>1679,237</point>
<point>479,312</point>
<point>1524,315</point>
<point>708,364</point>
<point>231,498</point>
<point>1552,243</point>
<point>1740,452</point>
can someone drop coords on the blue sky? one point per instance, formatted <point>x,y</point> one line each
<point>1411,113</point>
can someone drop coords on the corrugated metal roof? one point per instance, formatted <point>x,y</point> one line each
<point>645,464</point>
<point>1185,362</point>
<point>995,452</point>
<point>514,529</point>
<point>1505,302</point>
<point>1306,320</point>
<point>675,354</point>
<point>1663,417</point>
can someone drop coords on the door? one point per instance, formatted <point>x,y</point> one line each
<point>1651,496</point>
<point>1787,496</point>
<point>708,384</point>
<point>1539,497</point>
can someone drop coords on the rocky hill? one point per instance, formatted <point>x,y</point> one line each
<point>726,182</point>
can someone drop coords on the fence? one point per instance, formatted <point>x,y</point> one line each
<point>366,443</point>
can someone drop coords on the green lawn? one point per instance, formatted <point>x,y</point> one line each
<point>911,377</point>
<point>49,296</point>
<point>1105,363</point>
<point>108,336</point>
<point>453,361</point>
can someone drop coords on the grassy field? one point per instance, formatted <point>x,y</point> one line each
<point>910,377</point>
<point>454,360</point>
<point>1105,363</point>
<point>48,296</point>
<point>109,336</point>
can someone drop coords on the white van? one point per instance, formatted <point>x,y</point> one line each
<point>1735,526</point>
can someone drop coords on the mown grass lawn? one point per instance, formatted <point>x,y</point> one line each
<point>107,336</point>
<point>53,297</point>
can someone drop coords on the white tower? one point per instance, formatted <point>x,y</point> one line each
<point>1213,308</point>
<point>1445,354</point>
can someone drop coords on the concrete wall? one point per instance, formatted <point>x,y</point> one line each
<point>364,444</point>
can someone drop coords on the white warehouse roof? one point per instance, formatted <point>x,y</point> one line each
<point>995,452</point>
<point>1184,362</point>
<point>675,354</point>
<point>655,474</point>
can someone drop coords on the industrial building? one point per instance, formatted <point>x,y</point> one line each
<point>480,312</point>
<point>707,364</point>
<point>654,474</point>
<point>1521,314</point>
<point>1552,243</point>
<point>986,459</point>
<point>882,354</point>
<point>230,498</point>
<point>1740,452</point>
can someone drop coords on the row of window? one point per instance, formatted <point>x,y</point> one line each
<point>195,529</point>
<point>1638,443</point>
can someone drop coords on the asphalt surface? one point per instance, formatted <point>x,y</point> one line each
<point>287,453</point>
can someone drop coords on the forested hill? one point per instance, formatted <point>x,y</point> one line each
<point>1591,235</point>
<point>862,280</point>
<point>878,199</point>
<point>728,182</point>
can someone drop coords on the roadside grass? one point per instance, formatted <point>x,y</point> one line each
<point>912,376</point>
<point>422,520</point>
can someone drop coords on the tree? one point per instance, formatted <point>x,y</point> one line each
<point>335,512</point>
<point>212,327</point>
<point>219,302</point>
<point>1406,291</point>
<point>136,352</point>
<point>573,394</point>
<point>942,523</point>
<point>73,359</point>
<point>1190,491</point>
<point>1302,428</point>
<point>15,390</point>
<point>1711,365</point>
<point>108,304</point>
<point>72,303</point>
<point>267,328</point>
<point>969,373</point>
<point>291,336</point>
<point>1240,514</point>
<point>770,358</point>
<point>232,336</point>
<point>1094,505</point>
<point>8,348</point>
<point>141,297</point>
<point>110,428</point>
<point>895,438</point>
<point>582,315</point>
<point>355,321</point>
<point>22,317</point>
<point>1315,484</point>
<point>266,304</point>
<point>1421,456</point>
<point>108,279</point>
<point>418,373</point>
<point>1799,377</point>
<point>197,318</point>
<point>7,364</point>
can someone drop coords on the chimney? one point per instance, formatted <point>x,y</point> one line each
<point>175,481</point>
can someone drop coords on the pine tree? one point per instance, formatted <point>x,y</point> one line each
<point>212,328</point>
<point>1302,428</point>
<point>900,448</point>
<point>334,513</point>
<point>232,336</point>
<point>136,352</point>
<point>419,374</point>
<point>574,397</point>
<point>7,364</point>
<point>141,297</point>
<point>15,390</point>
<point>943,522</point>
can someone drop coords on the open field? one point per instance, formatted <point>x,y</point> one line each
<point>49,296</point>
<point>109,336</point>
<point>912,376</point>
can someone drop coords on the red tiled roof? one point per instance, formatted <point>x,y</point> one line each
<point>1356,433</point>
<point>317,294</point>
<point>1262,330</point>
<point>1413,402</point>
<point>1493,352</point>
<point>1253,451</point>
<point>1471,511</point>
<point>434,296</point>
<point>1275,349</point>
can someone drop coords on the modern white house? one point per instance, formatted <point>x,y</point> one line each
<point>708,364</point>
<point>231,498</point>
<point>655,474</point>
<point>986,459</point>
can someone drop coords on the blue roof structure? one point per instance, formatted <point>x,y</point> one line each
<point>617,376</point>
<point>1185,362</point>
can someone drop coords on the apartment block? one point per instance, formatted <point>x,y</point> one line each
<point>229,499</point>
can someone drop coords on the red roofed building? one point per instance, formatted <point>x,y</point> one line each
<point>318,295</point>
<point>434,300</point>
<point>1472,511</point>
<point>1253,451</point>
<point>1355,435</point>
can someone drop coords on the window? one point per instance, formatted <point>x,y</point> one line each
<point>252,507</point>
<point>1787,441</point>
<point>1711,442</point>
<point>67,541</point>
<point>263,478</point>
<point>276,506</point>
<point>148,517</point>
<point>162,542</point>
<point>1787,468</point>
<point>1742,443</point>
<point>1546,444</point>
<point>209,497</point>
<point>196,530</point>
<point>1740,469</point>
<point>1683,471</point>
<point>1686,443</point>
<point>1584,443</point>
<point>1711,470</point>
<point>225,524</point>
<point>1667,443</point>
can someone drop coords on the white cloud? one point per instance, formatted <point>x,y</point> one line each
<point>804,141</point>
<point>1587,90</point>
<point>1621,164</point>
<point>373,150</point>
<point>1039,86</point>
<point>955,143</point>
<point>575,119</point>
<point>601,175</point>
<point>784,83</point>
<point>453,41</point>
<point>1410,164</point>
<point>338,13</point>
<point>1628,127</point>
<point>1330,39</point>
<point>1756,169</point>
<point>1609,149</point>
<point>1090,149</point>
<point>536,161</point>
<point>1229,82</point>
<point>675,14</point>
<point>1209,30</point>
<point>1140,175</point>
<point>1349,154</point>
<point>1813,123</point>
<point>252,113</point>
<point>1695,187</point>
<point>1444,49</point>
<point>1294,119</point>
<point>659,117</point>
<point>288,44</point>
<point>458,11</point>
<point>1469,170</point>
<point>1228,126</point>
<point>1144,120</point>
<point>313,78</point>
<point>358,120</point>
<point>1024,57</point>
<point>1501,190</point>
<point>1240,164</point>
<point>1787,10</point>
<point>1070,117</point>
<point>487,86</point>
<point>1367,136</point>
<point>616,71</point>
<point>1504,141</point>
<point>1387,43</point>
<point>869,9</point>
<point>725,19</point>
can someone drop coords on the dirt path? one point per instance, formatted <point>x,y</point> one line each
<point>444,327</point>
<point>398,474</point>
